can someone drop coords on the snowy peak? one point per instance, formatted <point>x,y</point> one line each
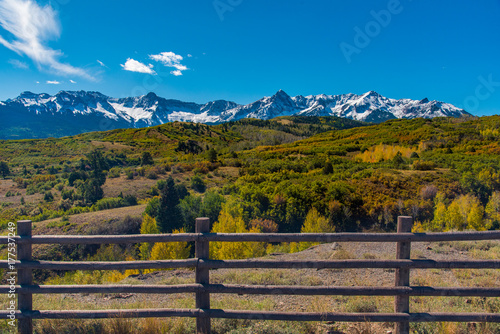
<point>150,109</point>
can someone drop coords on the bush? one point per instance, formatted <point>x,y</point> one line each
<point>198,184</point>
<point>48,197</point>
<point>147,159</point>
<point>424,165</point>
<point>152,175</point>
<point>114,172</point>
<point>109,203</point>
<point>130,199</point>
<point>68,194</point>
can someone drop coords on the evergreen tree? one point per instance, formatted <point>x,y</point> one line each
<point>169,214</point>
<point>147,159</point>
<point>4,169</point>
<point>92,188</point>
<point>328,168</point>
<point>398,160</point>
<point>92,191</point>
<point>212,155</point>
<point>98,165</point>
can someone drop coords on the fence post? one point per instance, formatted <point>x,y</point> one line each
<point>403,250</point>
<point>202,275</point>
<point>24,277</point>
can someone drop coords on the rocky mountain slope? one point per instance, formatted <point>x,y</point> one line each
<point>33,115</point>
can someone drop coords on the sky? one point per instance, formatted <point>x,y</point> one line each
<point>242,50</point>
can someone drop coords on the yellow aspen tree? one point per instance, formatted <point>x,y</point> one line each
<point>466,212</point>
<point>170,250</point>
<point>148,226</point>
<point>227,223</point>
<point>314,223</point>
<point>493,209</point>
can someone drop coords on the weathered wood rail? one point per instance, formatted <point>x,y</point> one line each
<point>402,290</point>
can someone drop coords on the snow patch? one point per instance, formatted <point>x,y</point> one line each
<point>135,113</point>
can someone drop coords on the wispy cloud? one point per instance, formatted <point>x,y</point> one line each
<point>170,59</point>
<point>73,82</point>
<point>133,65</point>
<point>53,82</point>
<point>30,26</point>
<point>101,63</point>
<point>18,64</point>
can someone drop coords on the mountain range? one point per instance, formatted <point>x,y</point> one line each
<point>66,113</point>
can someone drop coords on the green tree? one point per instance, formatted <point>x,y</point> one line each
<point>4,169</point>
<point>191,207</point>
<point>48,197</point>
<point>169,214</point>
<point>91,189</point>
<point>97,165</point>
<point>212,205</point>
<point>212,155</point>
<point>198,184</point>
<point>328,168</point>
<point>147,159</point>
<point>398,160</point>
<point>153,207</point>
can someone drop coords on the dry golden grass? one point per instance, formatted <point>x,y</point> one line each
<point>85,221</point>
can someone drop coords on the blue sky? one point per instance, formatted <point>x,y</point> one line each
<point>241,50</point>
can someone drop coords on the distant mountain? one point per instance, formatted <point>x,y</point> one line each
<point>68,112</point>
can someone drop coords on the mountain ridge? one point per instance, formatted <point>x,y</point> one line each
<point>32,115</point>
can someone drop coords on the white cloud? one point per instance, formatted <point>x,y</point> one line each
<point>73,82</point>
<point>136,66</point>
<point>53,82</point>
<point>189,55</point>
<point>101,63</point>
<point>18,64</point>
<point>31,26</point>
<point>170,59</point>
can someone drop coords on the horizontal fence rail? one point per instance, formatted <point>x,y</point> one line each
<point>264,264</point>
<point>257,237</point>
<point>203,288</point>
<point>258,290</point>
<point>256,315</point>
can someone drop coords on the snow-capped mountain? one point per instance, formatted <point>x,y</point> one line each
<point>69,112</point>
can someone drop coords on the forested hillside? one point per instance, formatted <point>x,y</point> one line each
<point>268,174</point>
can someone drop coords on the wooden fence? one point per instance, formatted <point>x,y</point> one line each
<point>202,288</point>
